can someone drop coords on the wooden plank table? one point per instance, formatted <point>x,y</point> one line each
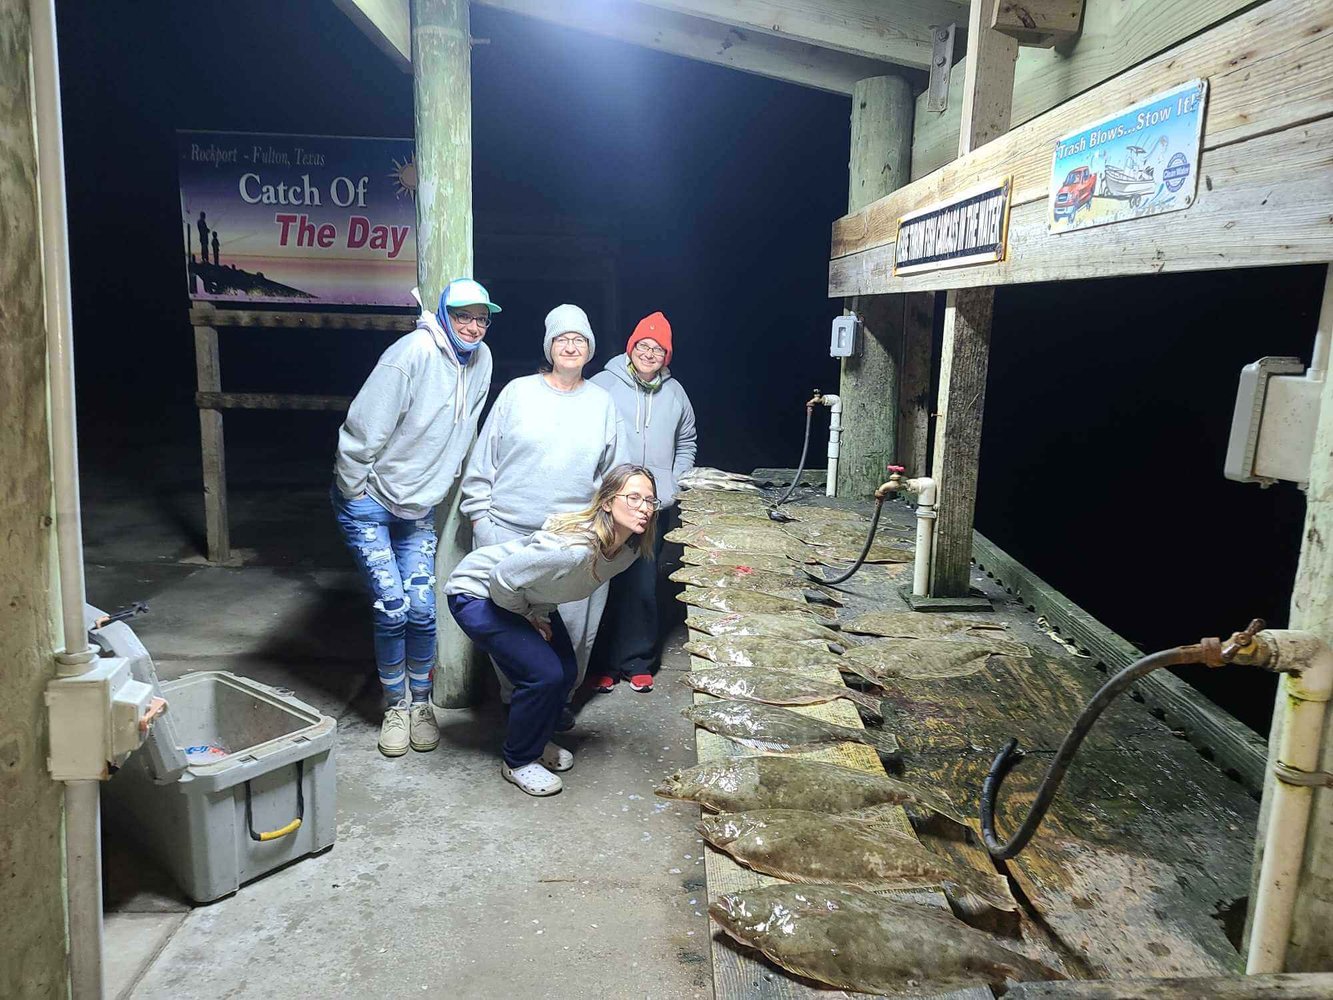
<point>1137,870</point>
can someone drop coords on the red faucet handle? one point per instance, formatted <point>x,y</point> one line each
<point>896,468</point>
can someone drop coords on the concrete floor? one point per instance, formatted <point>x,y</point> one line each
<point>444,879</point>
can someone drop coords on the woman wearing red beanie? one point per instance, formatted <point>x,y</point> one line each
<point>656,431</point>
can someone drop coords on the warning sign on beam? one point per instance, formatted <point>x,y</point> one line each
<point>971,228</point>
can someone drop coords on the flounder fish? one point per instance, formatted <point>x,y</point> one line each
<point>768,727</point>
<point>775,626</point>
<point>743,540</point>
<point>866,849</point>
<point>864,943</point>
<point>740,783</point>
<point>732,599</point>
<point>851,551</point>
<point>763,651</point>
<point>748,578</point>
<point>774,687</point>
<point>925,659</point>
<point>769,561</point>
<point>915,625</point>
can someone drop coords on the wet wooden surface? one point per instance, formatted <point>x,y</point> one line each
<point>1144,854</point>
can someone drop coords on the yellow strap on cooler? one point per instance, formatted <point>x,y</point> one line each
<point>281,831</point>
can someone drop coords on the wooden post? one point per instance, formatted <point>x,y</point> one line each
<point>442,99</point>
<point>208,373</point>
<point>987,95</point>
<point>914,383</point>
<point>1311,949</point>
<point>882,109</point>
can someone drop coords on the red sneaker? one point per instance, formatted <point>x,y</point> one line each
<point>641,682</point>
<point>603,684</point>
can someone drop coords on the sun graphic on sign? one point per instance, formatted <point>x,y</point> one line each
<point>404,177</point>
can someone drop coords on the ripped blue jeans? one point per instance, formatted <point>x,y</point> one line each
<point>397,561</point>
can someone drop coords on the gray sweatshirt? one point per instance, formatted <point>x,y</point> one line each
<point>656,428</point>
<point>530,576</point>
<point>408,429</point>
<point>541,452</point>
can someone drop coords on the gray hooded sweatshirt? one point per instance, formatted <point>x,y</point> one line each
<point>656,428</point>
<point>409,428</point>
<point>530,576</point>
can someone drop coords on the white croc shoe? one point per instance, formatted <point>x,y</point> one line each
<point>556,758</point>
<point>394,732</point>
<point>425,731</point>
<point>532,778</point>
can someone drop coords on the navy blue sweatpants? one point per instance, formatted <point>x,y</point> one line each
<point>543,673</point>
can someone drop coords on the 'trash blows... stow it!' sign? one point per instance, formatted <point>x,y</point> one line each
<point>316,220</point>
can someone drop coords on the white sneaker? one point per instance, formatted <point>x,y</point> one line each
<point>425,730</point>
<point>394,731</point>
<point>556,758</point>
<point>532,778</point>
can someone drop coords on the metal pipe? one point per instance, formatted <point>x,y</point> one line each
<point>1306,687</point>
<point>83,828</point>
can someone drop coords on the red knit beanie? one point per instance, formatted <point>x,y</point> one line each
<point>654,327</point>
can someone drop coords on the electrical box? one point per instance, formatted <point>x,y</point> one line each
<point>846,341</point>
<point>1273,426</point>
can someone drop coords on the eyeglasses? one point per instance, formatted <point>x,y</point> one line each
<point>483,321</point>
<point>637,501</point>
<point>650,352</point>
<point>571,340</point>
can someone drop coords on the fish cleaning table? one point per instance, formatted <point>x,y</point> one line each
<point>1143,853</point>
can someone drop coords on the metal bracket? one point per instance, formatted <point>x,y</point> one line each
<point>1304,779</point>
<point>941,64</point>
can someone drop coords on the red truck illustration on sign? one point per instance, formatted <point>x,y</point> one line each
<point>1075,192</point>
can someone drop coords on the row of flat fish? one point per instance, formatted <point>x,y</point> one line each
<point>866,849</point>
<point>734,599</point>
<point>775,687</point>
<point>858,941</point>
<point>746,577</point>
<point>736,784</point>
<point>764,651</point>
<point>759,625</point>
<point>778,730</point>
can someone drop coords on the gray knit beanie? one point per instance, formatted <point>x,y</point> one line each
<point>567,319</point>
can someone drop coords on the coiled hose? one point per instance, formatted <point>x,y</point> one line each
<point>1050,784</point>
<point>800,466</point>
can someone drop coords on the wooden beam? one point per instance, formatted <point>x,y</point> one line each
<point>1234,747</point>
<point>1283,77</point>
<point>965,354</point>
<point>224,316</point>
<point>881,151</point>
<point>386,23</point>
<point>208,373</point>
<point>1263,202</point>
<point>702,40</point>
<point>1116,35</point>
<point>1041,23</point>
<point>894,31</point>
<point>914,385</point>
<point>268,401</point>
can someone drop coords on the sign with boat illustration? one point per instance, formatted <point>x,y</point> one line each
<point>1141,161</point>
<point>306,219</point>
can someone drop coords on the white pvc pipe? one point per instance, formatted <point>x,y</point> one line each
<point>83,826</point>
<point>1304,699</point>
<point>59,334</point>
<point>925,534</point>
<point>834,404</point>
<point>1322,332</point>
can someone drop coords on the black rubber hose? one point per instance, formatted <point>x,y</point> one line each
<point>1011,755</point>
<point>800,467</point>
<point>865,550</point>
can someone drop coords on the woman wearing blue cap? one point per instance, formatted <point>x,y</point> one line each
<point>399,452</point>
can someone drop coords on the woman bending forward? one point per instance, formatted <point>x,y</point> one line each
<point>503,597</point>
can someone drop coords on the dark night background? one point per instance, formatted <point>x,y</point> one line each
<point>1108,404</point>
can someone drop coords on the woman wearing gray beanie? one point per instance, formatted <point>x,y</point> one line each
<point>543,450</point>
